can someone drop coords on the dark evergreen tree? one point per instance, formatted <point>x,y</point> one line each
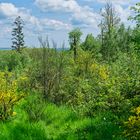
<point>17,35</point>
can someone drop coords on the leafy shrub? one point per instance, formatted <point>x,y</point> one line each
<point>11,60</point>
<point>132,126</point>
<point>8,95</point>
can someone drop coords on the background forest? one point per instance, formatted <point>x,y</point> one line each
<point>88,92</point>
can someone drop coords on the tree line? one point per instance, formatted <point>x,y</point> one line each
<point>114,37</point>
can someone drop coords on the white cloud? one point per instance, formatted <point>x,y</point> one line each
<point>11,11</point>
<point>120,2</point>
<point>64,5</point>
<point>84,15</point>
<point>123,13</point>
<point>55,24</point>
<point>8,9</point>
<point>33,28</point>
<point>5,30</point>
<point>75,12</point>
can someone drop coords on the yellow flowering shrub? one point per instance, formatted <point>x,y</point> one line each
<point>133,125</point>
<point>8,95</point>
<point>100,70</point>
<point>103,72</point>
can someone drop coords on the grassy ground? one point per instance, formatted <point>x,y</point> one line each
<point>58,123</point>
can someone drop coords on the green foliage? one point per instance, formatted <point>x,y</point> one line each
<point>22,130</point>
<point>58,124</point>
<point>136,10</point>
<point>74,40</point>
<point>46,71</point>
<point>132,126</point>
<point>34,107</point>
<point>90,44</point>
<point>13,61</point>
<point>85,98</point>
<point>135,39</point>
<point>74,37</point>
<point>136,31</point>
<point>108,26</point>
<point>8,95</point>
<point>124,38</point>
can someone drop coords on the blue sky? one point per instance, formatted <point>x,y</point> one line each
<point>56,18</point>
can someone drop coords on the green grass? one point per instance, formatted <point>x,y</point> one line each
<point>58,123</point>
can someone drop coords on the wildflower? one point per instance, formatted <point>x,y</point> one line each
<point>14,114</point>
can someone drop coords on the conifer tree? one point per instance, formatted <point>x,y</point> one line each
<point>17,35</point>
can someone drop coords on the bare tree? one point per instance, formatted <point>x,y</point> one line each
<point>109,23</point>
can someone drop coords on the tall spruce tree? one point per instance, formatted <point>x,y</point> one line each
<point>17,35</point>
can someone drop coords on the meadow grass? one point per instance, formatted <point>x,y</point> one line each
<point>58,123</point>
